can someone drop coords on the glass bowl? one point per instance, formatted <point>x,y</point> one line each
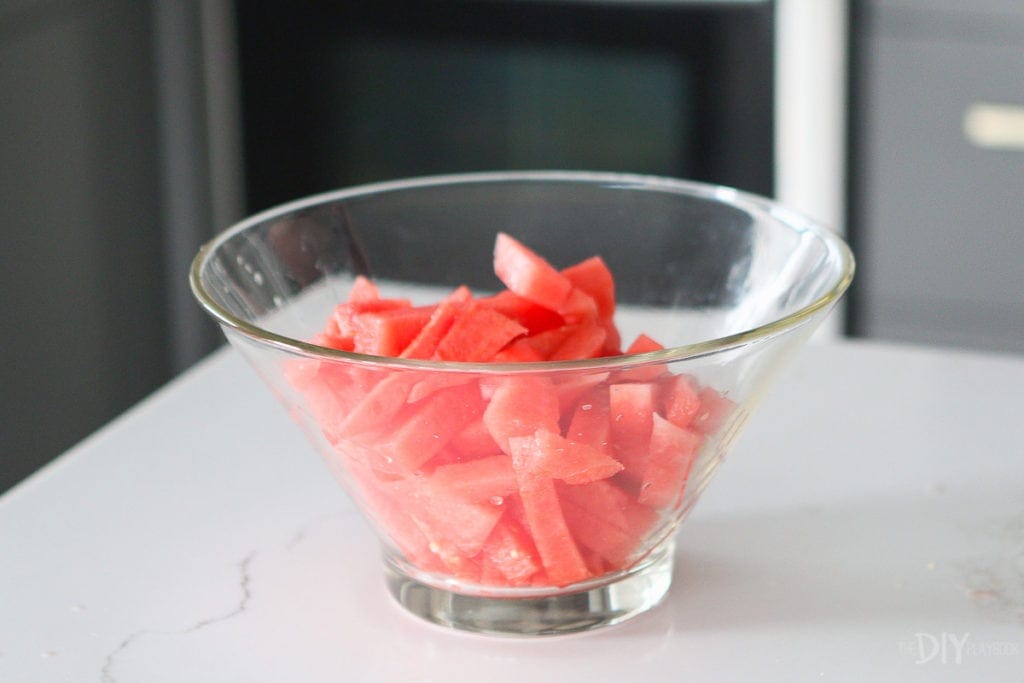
<point>523,496</point>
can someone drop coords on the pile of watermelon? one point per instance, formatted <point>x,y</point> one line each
<point>537,479</point>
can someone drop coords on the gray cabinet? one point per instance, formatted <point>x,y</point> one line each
<point>937,201</point>
<point>96,214</point>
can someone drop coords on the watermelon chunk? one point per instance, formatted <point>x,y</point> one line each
<point>424,428</point>
<point>534,317</point>
<point>631,407</point>
<point>544,520</point>
<point>578,307</point>
<point>455,527</point>
<point>547,454</point>
<point>520,406</point>
<point>510,552</point>
<point>591,420</point>
<point>379,406</point>
<point>487,479</point>
<point>680,401</point>
<point>345,326</point>
<point>593,277</point>
<point>646,373</point>
<point>477,334</point>
<point>529,275</point>
<point>672,453</point>
<point>585,341</point>
<point>599,535</point>
<point>363,289</point>
<point>475,441</point>
<point>425,344</point>
<point>609,502</point>
<point>714,408</point>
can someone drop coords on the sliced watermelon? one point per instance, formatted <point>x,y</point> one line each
<point>520,406</point>
<point>508,480</point>
<point>363,289</point>
<point>424,345</point>
<point>487,479</point>
<point>680,401</point>
<point>379,406</point>
<point>476,335</point>
<point>714,408</point>
<point>585,341</point>
<point>455,527</point>
<point>424,428</point>
<point>672,453</point>
<point>547,454</point>
<point>345,315</point>
<point>646,373</point>
<point>593,277</point>
<point>510,552</point>
<point>591,420</point>
<point>631,409</point>
<point>578,307</point>
<point>529,275</point>
<point>561,558</point>
<point>534,317</point>
<point>599,535</point>
<point>474,441</point>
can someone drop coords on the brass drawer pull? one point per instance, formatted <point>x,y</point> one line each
<point>995,126</point>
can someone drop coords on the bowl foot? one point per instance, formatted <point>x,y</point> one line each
<point>628,596</point>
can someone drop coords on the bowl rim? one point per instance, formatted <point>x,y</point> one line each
<point>795,220</point>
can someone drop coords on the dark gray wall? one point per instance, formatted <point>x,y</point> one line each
<point>82,276</point>
<point>937,220</point>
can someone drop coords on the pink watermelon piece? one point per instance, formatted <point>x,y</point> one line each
<point>584,341</point>
<point>599,535</point>
<point>477,334</point>
<point>561,558</point>
<point>571,388</point>
<point>363,289</point>
<point>547,342</point>
<point>475,441</point>
<point>534,317</point>
<point>344,317</point>
<point>591,420</point>
<point>646,373</point>
<point>680,401</point>
<point>578,307</point>
<point>547,454</point>
<point>610,503</point>
<point>379,406</point>
<point>519,406</point>
<point>510,552</point>
<point>714,408</point>
<point>593,277</point>
<point>425,344</point>
<point>423,429</point>
<point>390,518</point>
<point>487,479</point>
<point>529,275</point>
<point>672,453</point>
<point>388,332</point>
<point>431,382</point>
<point>631,408</point>
<point>519,351</point>
<point>455,527</point>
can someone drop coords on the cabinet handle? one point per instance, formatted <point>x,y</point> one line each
<point>995,126</point>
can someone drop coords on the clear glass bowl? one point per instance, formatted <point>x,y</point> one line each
<point>529,497</point>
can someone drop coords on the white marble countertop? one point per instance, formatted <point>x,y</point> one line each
<point>869,526</point>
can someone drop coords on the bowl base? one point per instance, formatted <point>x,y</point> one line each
<point>628,596</point>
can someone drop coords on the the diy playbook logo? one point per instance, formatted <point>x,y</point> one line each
<point>954,648</point>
